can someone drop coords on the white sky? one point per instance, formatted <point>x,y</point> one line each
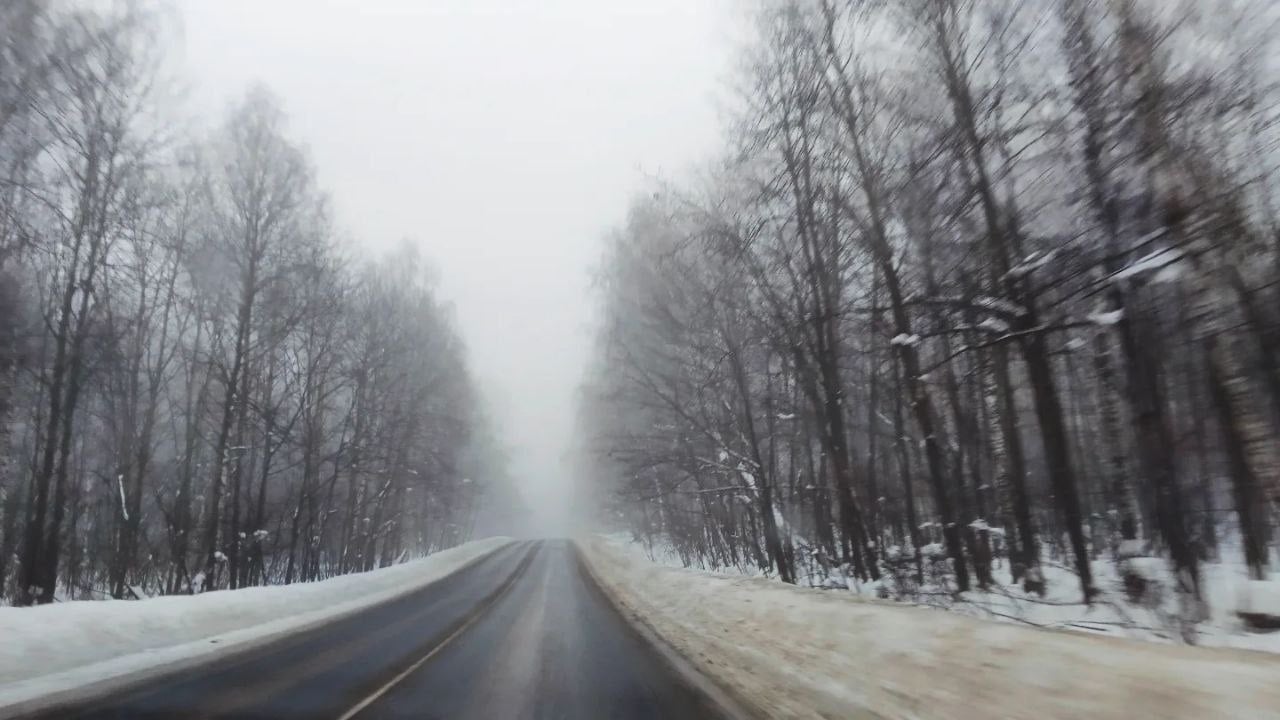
<point>503,137</point>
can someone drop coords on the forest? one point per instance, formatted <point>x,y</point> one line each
<point>974,288</point>
<point>203,383</point>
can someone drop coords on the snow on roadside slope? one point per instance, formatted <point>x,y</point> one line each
<point>794,652</point>
<point>53,648</point>
<point>1225,583</point>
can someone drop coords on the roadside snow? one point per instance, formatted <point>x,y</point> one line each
<point>794,652</point>
<point>57,648</point>
<point>1154,619</point>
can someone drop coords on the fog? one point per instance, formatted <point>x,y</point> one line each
<point>501,138</point>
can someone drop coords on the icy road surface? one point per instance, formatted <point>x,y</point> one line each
<point>522,633</point>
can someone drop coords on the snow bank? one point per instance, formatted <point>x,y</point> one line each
<point>793,652</point>
<point>54,648</point>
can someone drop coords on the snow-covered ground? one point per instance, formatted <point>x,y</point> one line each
<point>794,652</point>
<point>56,648</point>
<point>1156,618</point>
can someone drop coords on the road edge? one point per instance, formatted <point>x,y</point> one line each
<point>228,647</point>
<point>713,693</point>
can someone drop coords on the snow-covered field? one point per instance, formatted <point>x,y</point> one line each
<point>60,647</point>
<point>794,652</point>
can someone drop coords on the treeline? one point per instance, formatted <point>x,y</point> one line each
<point>979,284</point>
<point>200,388</point>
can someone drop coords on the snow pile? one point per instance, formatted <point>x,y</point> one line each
<point>905,340</point>
<point>934,550</point>
<point>1261,596</point>
<point>1136,599</point>
<point>51,648</point>
<point>1259,604</point>
<point>1156,616</point>
<point>1130,548</point>
<point>792,652</point>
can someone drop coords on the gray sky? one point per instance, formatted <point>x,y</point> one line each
<point>503,137</point>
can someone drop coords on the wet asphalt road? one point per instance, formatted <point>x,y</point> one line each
<point>523,633</point>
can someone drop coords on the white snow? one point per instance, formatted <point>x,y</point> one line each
<point>55,648</point>
<point>1131,548</point>
<point>1261,597</point>
<point>1148,568</point>
<point>1031,263</point>
<point>905,340</point>
<point>124,506</point>
<point>1158,260</point>
<point>1108,317</point>
<point>1000,305</point>
<point>995,325</point>
<point>788,652</point>
<point>1169,273</point>
<point>981,525</point>
<point>1149,237</point>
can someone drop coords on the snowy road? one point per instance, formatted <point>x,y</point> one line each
<point>520,634</point>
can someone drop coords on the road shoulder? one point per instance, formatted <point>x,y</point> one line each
<point>713,694</point>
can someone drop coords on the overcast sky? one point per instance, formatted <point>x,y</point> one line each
<point>503,137</point>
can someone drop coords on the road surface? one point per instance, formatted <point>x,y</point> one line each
<point>522,633</point>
